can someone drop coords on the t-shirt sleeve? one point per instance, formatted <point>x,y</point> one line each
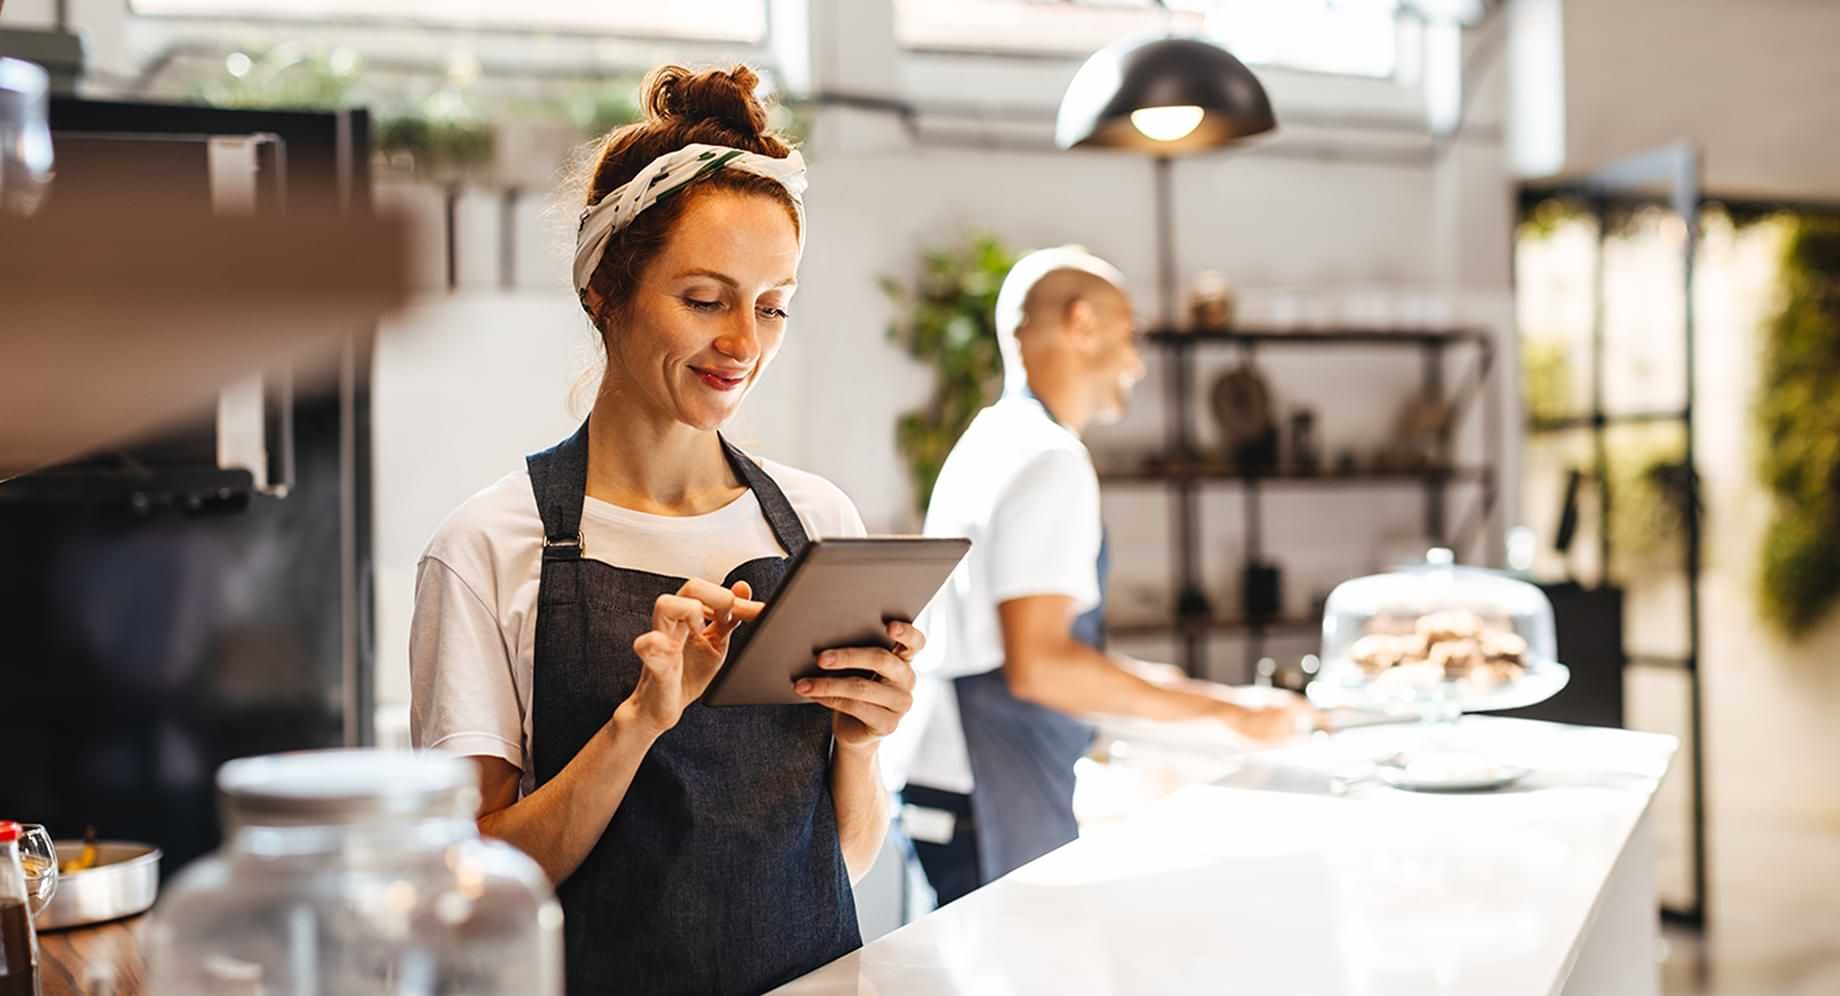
<point>1044,532</point>
<point>463,697</point>
<point>823,509</point>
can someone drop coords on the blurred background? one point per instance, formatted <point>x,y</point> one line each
<point>1551,284</point>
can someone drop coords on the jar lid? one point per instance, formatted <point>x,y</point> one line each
<point>9,831</point>
<point>323,787</point>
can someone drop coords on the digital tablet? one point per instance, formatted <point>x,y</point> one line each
<point>838,593</point>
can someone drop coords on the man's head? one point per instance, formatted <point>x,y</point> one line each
<point>1064,325</point>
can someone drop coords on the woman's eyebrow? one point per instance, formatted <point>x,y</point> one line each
<point>725,279</point>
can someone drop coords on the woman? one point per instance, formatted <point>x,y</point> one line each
<point>568,617</point>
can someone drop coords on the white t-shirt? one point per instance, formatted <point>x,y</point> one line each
<point>472,640</point>
<point>1023,488</point>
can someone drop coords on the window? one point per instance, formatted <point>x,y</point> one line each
<point>1351,37</point>
<point>742,21</point>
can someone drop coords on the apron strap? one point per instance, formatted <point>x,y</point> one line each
<point>779,512</point>
<point>559,479</point>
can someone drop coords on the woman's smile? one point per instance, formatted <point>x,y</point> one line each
<point>722,379</point>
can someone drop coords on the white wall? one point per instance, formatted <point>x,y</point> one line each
<point>1753,82</point>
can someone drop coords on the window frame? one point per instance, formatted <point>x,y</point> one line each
<point>249,12</point>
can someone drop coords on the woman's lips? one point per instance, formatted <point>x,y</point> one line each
<point>721,380</point>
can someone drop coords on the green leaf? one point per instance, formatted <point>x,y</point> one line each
<point>1797,418</point>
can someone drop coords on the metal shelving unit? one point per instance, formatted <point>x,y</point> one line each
<point>1183,470</point>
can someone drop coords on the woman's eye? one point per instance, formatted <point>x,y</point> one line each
<point>697,305</point>
<point>775,314</point>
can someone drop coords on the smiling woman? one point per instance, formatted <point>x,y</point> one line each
<point>569,618</point>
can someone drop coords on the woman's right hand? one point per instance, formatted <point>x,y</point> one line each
<point>685,648</point>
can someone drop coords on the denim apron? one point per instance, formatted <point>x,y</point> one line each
<point>721,872</point>
<point>1022,757</point>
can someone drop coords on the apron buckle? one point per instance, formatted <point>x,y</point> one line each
<point>563,549</point>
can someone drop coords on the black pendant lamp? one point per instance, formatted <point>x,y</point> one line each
<point>1163,96</point>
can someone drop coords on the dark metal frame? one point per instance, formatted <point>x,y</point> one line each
<point>1669,175</point>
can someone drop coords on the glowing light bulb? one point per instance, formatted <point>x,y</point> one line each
<point>1166,124</point>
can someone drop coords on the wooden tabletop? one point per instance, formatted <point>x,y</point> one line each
<point>104,960</point>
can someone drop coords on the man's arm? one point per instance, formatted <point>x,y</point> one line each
<point>1044,664</point>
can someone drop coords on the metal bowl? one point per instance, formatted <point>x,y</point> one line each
<point>123,882</point>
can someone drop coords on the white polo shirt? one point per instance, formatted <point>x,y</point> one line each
<point>1024,490</point>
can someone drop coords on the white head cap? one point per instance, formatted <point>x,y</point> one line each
<point>1013,299</point>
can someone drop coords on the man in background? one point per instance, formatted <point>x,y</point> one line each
<point>1017,641</point>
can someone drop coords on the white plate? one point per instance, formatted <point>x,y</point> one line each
<point>1448,771</point>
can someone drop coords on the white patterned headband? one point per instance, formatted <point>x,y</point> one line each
<point>664,177</point>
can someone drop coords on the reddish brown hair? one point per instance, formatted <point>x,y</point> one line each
<point>714,107</point>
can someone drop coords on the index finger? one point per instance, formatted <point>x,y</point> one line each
<point>726,606</point>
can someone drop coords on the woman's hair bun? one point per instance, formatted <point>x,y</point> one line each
<point>725,96</point>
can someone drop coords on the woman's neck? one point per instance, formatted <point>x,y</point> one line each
<point>646,463</point>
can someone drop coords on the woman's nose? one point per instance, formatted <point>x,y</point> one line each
<point>741,340</point>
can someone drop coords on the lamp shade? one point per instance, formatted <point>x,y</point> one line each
<point>1170,96</point>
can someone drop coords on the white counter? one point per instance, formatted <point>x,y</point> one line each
<point>1270,881</point>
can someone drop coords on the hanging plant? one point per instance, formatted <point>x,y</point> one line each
<point>436,147</point>
<point>947,320</point>
<point>1798,412</point>
<point>286,76</point>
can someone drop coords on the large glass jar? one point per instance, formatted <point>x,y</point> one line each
<point>351,873</point>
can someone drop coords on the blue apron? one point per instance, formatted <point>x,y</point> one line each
<point>1022,757</point>
<point>721,872</point>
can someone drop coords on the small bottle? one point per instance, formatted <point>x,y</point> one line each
<point>18,942</point>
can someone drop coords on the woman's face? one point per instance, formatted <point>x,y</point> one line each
<point>710,310</point>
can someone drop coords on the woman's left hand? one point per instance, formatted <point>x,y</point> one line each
<point>864,710</point>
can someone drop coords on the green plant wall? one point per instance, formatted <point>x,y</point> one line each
<point>1798,413</point>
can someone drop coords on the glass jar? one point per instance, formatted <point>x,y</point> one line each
<point>25,136</point>
<point>350,873</point>
<point>18,943</point>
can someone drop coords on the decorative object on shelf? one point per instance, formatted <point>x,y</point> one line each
<point>946,320</point>
<point>1210,302</point>
<point>1192,606</point>
<point>1243,405</point>
<point>1798,415</point>
<point>1263,591</point>
<point>1419,437</point>
<point>1305,458</point>
<point>1347,463</point>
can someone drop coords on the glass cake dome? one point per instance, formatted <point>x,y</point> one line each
<point>1437,638</point>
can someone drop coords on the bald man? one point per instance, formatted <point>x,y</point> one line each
<point>1016,638</point>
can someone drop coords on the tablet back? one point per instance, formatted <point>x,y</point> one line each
<point>839,593</point>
